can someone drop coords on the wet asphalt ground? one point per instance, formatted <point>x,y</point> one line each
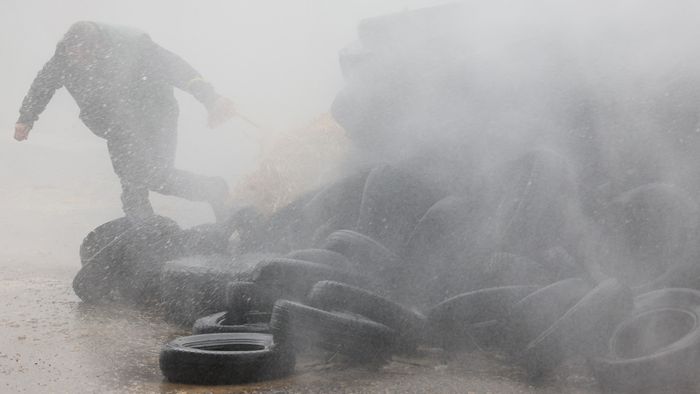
<point>51,342</point>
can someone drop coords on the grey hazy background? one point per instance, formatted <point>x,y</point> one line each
<point>276,59</point>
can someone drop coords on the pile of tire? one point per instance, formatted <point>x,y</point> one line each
<point>343,320</point>
<point>397,266</point>
<point>293,305</point>
<point>253,313</point>
<point>423,252</point>
<point>303,307</point>
<point>623,299</point>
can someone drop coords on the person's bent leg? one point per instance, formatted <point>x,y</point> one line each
<point>194,187</point>
<point>164,178</point>
<point>129,164</point>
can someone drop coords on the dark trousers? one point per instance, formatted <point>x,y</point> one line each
<point>143,157</point>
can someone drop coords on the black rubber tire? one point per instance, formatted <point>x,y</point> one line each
<point>224,358</point>
<point>94,282</point>
<point>254,317</point>
<point>534,193</point>
<point>657,224</point>
<point>584,329</point>
<point>530,316</point>
<point>101,236</point>
<point>508,269</point>
<point>208,238</point>
<point>435,253</point>
<point>98,278</point>
<point>147,246</point>
<point>335,206</point>
<point>444,219</point>
<point>138,282</point>
<point>665,326</point>
<point>364,251</point>
<point>294,278</point>
<point>156,238</point>
<point>455,317</point>
<point>225,322</point>
<point>562,264</point>
<point>245,297</point>
<point>125,265</point>
<point>301,326</point>
<point>393,202</point>
<point>283,231</point>
<point>195,286</point>
<point>322,256</point>
<point>333,296</point>
<point>433,248</point>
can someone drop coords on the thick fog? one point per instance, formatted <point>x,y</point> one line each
<point>531,121</point>
<point>611,86</point>
<point>620,76</point>
<point>277,60</point>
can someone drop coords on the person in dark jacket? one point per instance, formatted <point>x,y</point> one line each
<point>123,84</point>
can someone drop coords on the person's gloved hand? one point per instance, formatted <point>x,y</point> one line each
<point>221,111</point>
<point>22,131</point>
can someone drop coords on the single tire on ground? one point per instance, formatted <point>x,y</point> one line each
<point>657,346</point>
<point>224,358</point>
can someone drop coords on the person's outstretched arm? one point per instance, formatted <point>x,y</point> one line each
<point>47,81</point>
<point>180,74</point>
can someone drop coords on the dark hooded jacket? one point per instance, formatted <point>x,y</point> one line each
<point>129,82</point>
